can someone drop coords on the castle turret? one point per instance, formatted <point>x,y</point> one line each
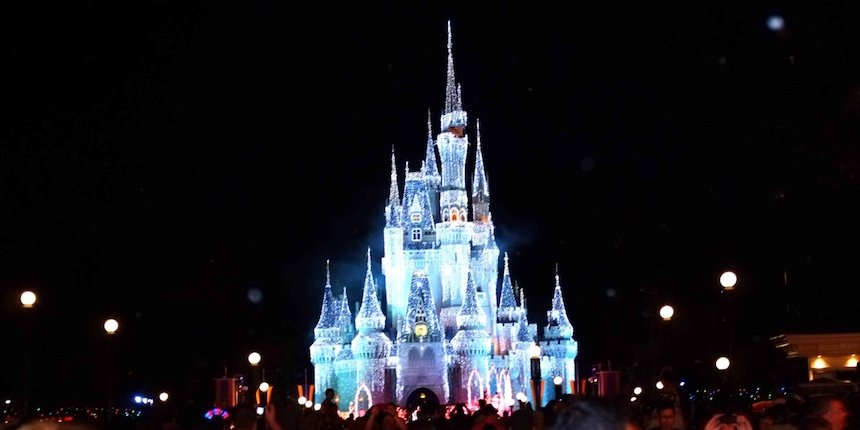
<point>431,168</point>
<point>558,347</point>
<point>472,346</point>
<point>394,261</point>
<point>371,347</point>
<point>327,338</point>
<point>508,314</point>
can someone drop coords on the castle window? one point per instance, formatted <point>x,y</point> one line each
<point>415,217</point>
<point>454,215</point>
<point>416,235</point>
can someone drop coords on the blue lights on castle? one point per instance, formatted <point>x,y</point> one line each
<point>450,330</point>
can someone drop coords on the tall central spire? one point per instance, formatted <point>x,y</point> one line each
<point>452,99</point>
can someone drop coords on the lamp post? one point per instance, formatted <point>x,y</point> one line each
<point>111,326</point>
<point>536,381</point>
<point>558,390</point>
<point>254,359</point>
<point>28,300</point>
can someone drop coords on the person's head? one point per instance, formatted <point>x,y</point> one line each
<point>590,413</point>
<point>833,409</point>
<point>329,393</point>
<point>666,416</point>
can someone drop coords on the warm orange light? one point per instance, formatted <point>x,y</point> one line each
<point>819,363</point>
<point>851,362</point>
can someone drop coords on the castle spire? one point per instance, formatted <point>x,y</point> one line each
<point>471,316</point>
<point>394,191</point>
<point>329,311</point>
<point>452,96</point>
<point>344,319</point>
<point>558,324</point>
<point>430,167</point>
<point>370,316</point>
<point>507,301</point>
<point>480,188</point>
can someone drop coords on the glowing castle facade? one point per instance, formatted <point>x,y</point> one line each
<point>448,330</point>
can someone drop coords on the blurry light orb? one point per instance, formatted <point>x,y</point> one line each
<point>255,295</point>
<point>309,404</point>
<point>28,298</point>
<point>775,23</point>
<point>8,401</point>
<point>163,396</point>
<point>728,280</point>
<point>111,326</point>
<point>254,358</point>
<point>521,396</point>
<point>682,383</point>
<point>666,312</point>
<point>264,386</point>
<point>534,351</point>
<point>302,400</point>
<point>317,406</point>
<point>659,385</point>
<point>557,380</point>
<point>610,292</point>
<point>633,399</point>
<point>722,363</point>
<point>637,391</point>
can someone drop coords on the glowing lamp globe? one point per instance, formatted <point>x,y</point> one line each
<point>28,299</point>
<point>521,396</point>
<point>111,326</point>
<point>309,404</point>
<point>163,396</point>
<point>666,312</point>
<point>534,351</point>
<point>254,358</point>
<point>723,363</point>
<point>557,380</point>
<point>302,400</point>
<point>264,386</point>
<point>637,391</point>
<point>728,280</point>
<point>659,385</point>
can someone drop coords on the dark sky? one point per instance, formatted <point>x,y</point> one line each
<point>161,159</point>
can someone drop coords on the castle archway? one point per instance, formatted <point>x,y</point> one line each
<point>424,397</point>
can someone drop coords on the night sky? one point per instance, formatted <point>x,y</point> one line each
<point>160,160</point>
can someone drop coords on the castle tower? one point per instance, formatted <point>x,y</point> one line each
<point>371,349</point>
<point>327,339</point>
<point>471,346</point>
<point>558,345</point>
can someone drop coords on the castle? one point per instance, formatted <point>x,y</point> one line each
<point>443,336</point>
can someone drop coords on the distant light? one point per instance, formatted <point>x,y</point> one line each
<point>8,401</point>
<point>723,363</point>
<point>309,404</point>
<point>659,385</point>
<point>28,298</point>
<point>264,386</point>
<point>775,23</point>
<point>682,383</point>
<point>819,363</point>
<point>254,358</point>
<point>557,380</point>
<point>851,362</point>
<point>633,399</point>
<point>255,295</point>
<point>666,312</point>
<point>728,280</point>
<point>138,399</point>
<point>111,326</point>
<point>637,391</point>
<point>521,396</point>
<point>163,396</point>
<point>317,406</point>
<point>303,400</point>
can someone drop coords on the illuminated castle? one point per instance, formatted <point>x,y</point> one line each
<point>449,332</point>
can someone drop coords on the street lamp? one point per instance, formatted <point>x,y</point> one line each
<point>728,280</point>
<point>111,325</point>
<point>558,390</point>
<point>722,363</point>
<point>28,299</point>
<point>254,358</point>
<point>666,312</point>
<point>536,381</point>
